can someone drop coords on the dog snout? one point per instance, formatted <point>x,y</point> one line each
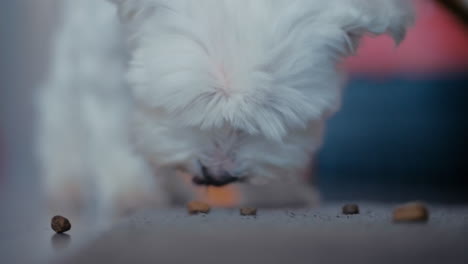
<point>208,179</point>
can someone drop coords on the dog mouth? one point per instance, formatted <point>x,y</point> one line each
<point>214,182</point>
<point>207,179</point>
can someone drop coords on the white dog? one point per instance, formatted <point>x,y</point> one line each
<point>227,90</point>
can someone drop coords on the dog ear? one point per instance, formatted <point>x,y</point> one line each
<point>375,17</point>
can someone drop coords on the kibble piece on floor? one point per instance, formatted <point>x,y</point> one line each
<point>350,209</point>
<point>60,224</point>
<point>411,212</point>
<point>198,207</point>
<point>248,211</point>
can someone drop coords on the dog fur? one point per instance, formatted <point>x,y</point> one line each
<point>139,89</point>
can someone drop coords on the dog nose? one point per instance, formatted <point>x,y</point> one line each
<point>210,180</point>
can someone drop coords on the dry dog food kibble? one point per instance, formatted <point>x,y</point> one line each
<point>60,224</point>
<point>248,211</point>
<point>198,207</point>
<point>350,209</point>
<point>411,212</point>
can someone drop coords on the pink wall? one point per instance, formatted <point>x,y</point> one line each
<point>437,43</point>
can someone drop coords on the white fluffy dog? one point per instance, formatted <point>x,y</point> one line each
<point>227,90</point>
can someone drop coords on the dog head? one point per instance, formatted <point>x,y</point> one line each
<point>236,89</point>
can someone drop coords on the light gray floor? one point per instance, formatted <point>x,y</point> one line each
<point>282,236</point>
<point>319,235</point>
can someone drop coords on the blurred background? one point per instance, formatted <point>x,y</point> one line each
<point>401,133</point>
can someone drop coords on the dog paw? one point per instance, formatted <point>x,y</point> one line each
<point>66,198</point>
<point>124,200</point>
<point>133,200</point>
